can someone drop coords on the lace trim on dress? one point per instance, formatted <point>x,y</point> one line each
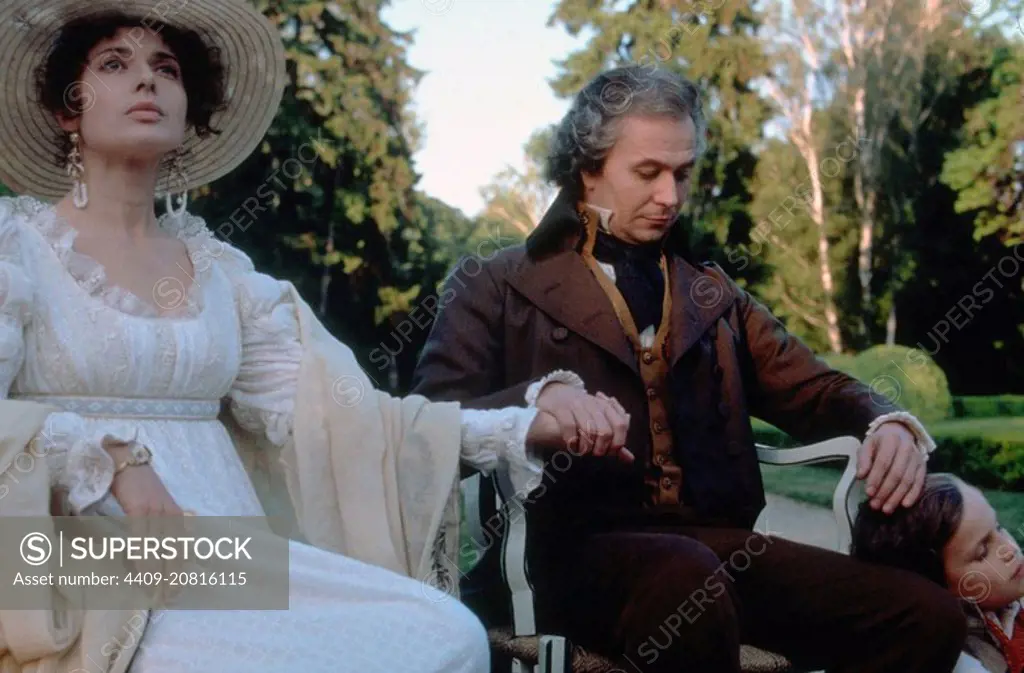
<point>78,458</point>
<point>92,277</point>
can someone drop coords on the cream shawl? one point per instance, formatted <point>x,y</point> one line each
<point>53,640</point>
<point>367,475</point>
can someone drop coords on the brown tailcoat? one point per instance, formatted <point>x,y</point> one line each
<point>508,320</point>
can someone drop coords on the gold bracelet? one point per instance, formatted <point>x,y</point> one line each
<point>140,455</point>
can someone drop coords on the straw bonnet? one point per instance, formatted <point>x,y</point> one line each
<point>30,138</point>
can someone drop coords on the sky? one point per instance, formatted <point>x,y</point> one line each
<point>488,64</point>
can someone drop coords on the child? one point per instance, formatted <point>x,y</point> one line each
<point>951,536</point>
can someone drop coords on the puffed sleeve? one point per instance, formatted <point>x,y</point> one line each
<point>78,460</point>
<point>262,398</point>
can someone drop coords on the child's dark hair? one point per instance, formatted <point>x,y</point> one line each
<point>202,71</point>
<point>912,538</point>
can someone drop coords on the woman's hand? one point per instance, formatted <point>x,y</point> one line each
<point>585,424</point>
<point>139,490</point>
<point>152,513</point>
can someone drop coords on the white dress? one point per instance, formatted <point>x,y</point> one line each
<point>123,370</point>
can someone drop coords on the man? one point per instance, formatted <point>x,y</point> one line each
<point>621,549</point>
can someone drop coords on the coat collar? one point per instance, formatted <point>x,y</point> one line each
<point>556,280</point>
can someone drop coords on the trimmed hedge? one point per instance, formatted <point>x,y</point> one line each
<point>843,362</point>
<point>982,461</point>
<point>907,377</point>
<point>988,406</point>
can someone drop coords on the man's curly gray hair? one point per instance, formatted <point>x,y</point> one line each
<point>590,128</point>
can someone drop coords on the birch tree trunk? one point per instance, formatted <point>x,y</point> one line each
<point>810,155</point>
<point>794,90</point>
<point>870,31</point>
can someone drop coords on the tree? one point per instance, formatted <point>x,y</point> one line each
<point>440,241</point>
<point>960,297</point>
<point>520,198</point>
<point>987,170</point>
<point>324,200</point>
<point>799,88</point>
<point>716,47</point>
<point>880,60</point>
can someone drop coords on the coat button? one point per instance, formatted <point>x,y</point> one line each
<point>648,357</point>
<point>559,334</point>
<point>659,459</point>
<point>658,427</point>
<point>652,393</point>
<point>666,483</point>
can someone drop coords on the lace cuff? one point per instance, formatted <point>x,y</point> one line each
<point>78,460</point>
<point>496,438</point>
<point>924,441</point>
<point>276,426</point>
<point>557,376</point>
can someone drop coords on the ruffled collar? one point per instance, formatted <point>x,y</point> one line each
<point>174,301</point>
<point>609,249</point>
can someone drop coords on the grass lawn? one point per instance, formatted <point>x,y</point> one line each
<point>815,485</point>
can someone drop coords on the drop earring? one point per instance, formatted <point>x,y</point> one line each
<point>76,171</point>
<point>177,176</point>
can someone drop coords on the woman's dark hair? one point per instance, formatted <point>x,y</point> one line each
<point>912,538</point>
<point>202,72</point>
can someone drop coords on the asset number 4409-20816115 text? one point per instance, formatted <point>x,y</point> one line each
<point>187,579</point>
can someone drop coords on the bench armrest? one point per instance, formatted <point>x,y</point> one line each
<point>846,496</point>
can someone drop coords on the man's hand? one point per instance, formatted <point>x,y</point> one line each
<point>894,467</point>
<point>586,424</point>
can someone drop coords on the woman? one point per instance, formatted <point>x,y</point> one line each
<point>134,330</point>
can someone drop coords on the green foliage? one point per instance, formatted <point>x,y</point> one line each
<point>4,191</point>
<point>843,362</point>
<point>517,199</point>
<point>982,461</point>
<point>785,239</point>
<point>907,377</point>
<point>986,171</point>
<point>329,200</point>
<point>988,406</point>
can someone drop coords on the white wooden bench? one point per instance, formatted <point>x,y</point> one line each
<point>533,652</point>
